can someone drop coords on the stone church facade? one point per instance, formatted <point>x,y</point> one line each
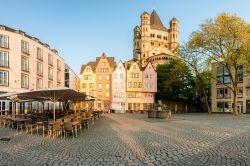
<point>153,42</point>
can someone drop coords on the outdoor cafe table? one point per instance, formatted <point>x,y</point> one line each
<point>19,121</point>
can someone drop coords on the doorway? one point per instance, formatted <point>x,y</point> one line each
<point>248,106</point>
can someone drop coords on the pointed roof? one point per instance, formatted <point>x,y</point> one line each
<point>111,60</point>
<point>92,64</point>
<point>155,21</point>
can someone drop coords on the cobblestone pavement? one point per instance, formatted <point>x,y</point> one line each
<point>132,139</point>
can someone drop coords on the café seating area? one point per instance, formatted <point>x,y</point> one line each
<point>66,124</point>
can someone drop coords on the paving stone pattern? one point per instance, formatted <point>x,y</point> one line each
<point>132,139</point>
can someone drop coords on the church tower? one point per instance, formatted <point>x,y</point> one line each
<point>137,42</point>
<point>153,42</point>
<point>174,34</point>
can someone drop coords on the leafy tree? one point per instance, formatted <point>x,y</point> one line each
<point>224,40</point>
<point>198,66</point>
<point>175,81</point>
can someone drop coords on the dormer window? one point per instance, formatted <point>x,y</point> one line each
<point>103,63</point>
<point>134,66</point>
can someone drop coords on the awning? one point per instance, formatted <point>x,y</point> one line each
<point>52,94</point>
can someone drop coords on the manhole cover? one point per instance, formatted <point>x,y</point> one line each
<point>5,139</point>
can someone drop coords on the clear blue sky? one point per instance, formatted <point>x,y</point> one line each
<point>82,29</point>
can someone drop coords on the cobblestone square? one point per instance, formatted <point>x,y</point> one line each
<point>132,139</point>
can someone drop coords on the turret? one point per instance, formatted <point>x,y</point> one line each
<point>137,42</point>
<point>174,34</point>
<point>145,24</point>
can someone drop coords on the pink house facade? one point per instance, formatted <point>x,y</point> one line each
<point>149,86</point>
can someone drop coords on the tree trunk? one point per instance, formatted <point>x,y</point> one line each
<point>235,112</point>
<point>206,101</point>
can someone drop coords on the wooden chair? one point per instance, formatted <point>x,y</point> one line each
<point>69,129</point>
<point>57,129</point>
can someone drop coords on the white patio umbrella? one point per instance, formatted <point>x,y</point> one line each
<point>51,94</point>
<point>55,95</point>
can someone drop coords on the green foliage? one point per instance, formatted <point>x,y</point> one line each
<point>175,81</point>
<point>224,40</point>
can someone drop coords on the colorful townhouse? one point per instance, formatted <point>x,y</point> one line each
<point>118,101</point>
<point>149,86</point>
<point>87,83</point>
<point>104,68</point>
<point>134,87</point>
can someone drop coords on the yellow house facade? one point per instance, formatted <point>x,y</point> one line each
<point>88,82</point>
<point>134,87</point>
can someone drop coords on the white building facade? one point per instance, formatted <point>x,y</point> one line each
<point>118,101</point>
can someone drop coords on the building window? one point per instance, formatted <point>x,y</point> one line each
<point>99,86</point>
<point>107,94</point>
<point>148,76</point>
<point>130,84</point>
<point>39,53</point>
<point>58,76</point>
<point>219,79</point>
<point>24,47</point>
<point>121,76</point>
<point>240,74</point>
<point>227,79</point>
<point>159,36</point>
<point>240,92</point>
<point>50,73</point>
<point>223,107</point>
<point>134,75</point>
<point>223,75</point>
<point>107,86</point>
<point>4,41</point>
<point>139,84</point>
<point>4,59</point>
<point>99,77</point>
<point>50,84</point>
<point>115,75</point>
<point>24,81</point>
<point>24,63</point>
<point>39,83</point>
<point>135,85</point>
<point>50,59</point>
<point>87,77</point>
<point>91,85</point>
<point>121,85</point>
<point>223,93</point>
<point>134,66</point>
<point>39,68</point>
<point>84,85</point>
<point>103,63</point>
<point>58,64</point>
<point>88,69</point>
<point>107,77</point>
<point>4,78</point>
<point>99,94</point>
<point>103,70</point>
<point>116,85</point>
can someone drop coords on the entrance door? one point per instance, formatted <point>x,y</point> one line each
<point>122,107</point>
<point>248,106</point>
